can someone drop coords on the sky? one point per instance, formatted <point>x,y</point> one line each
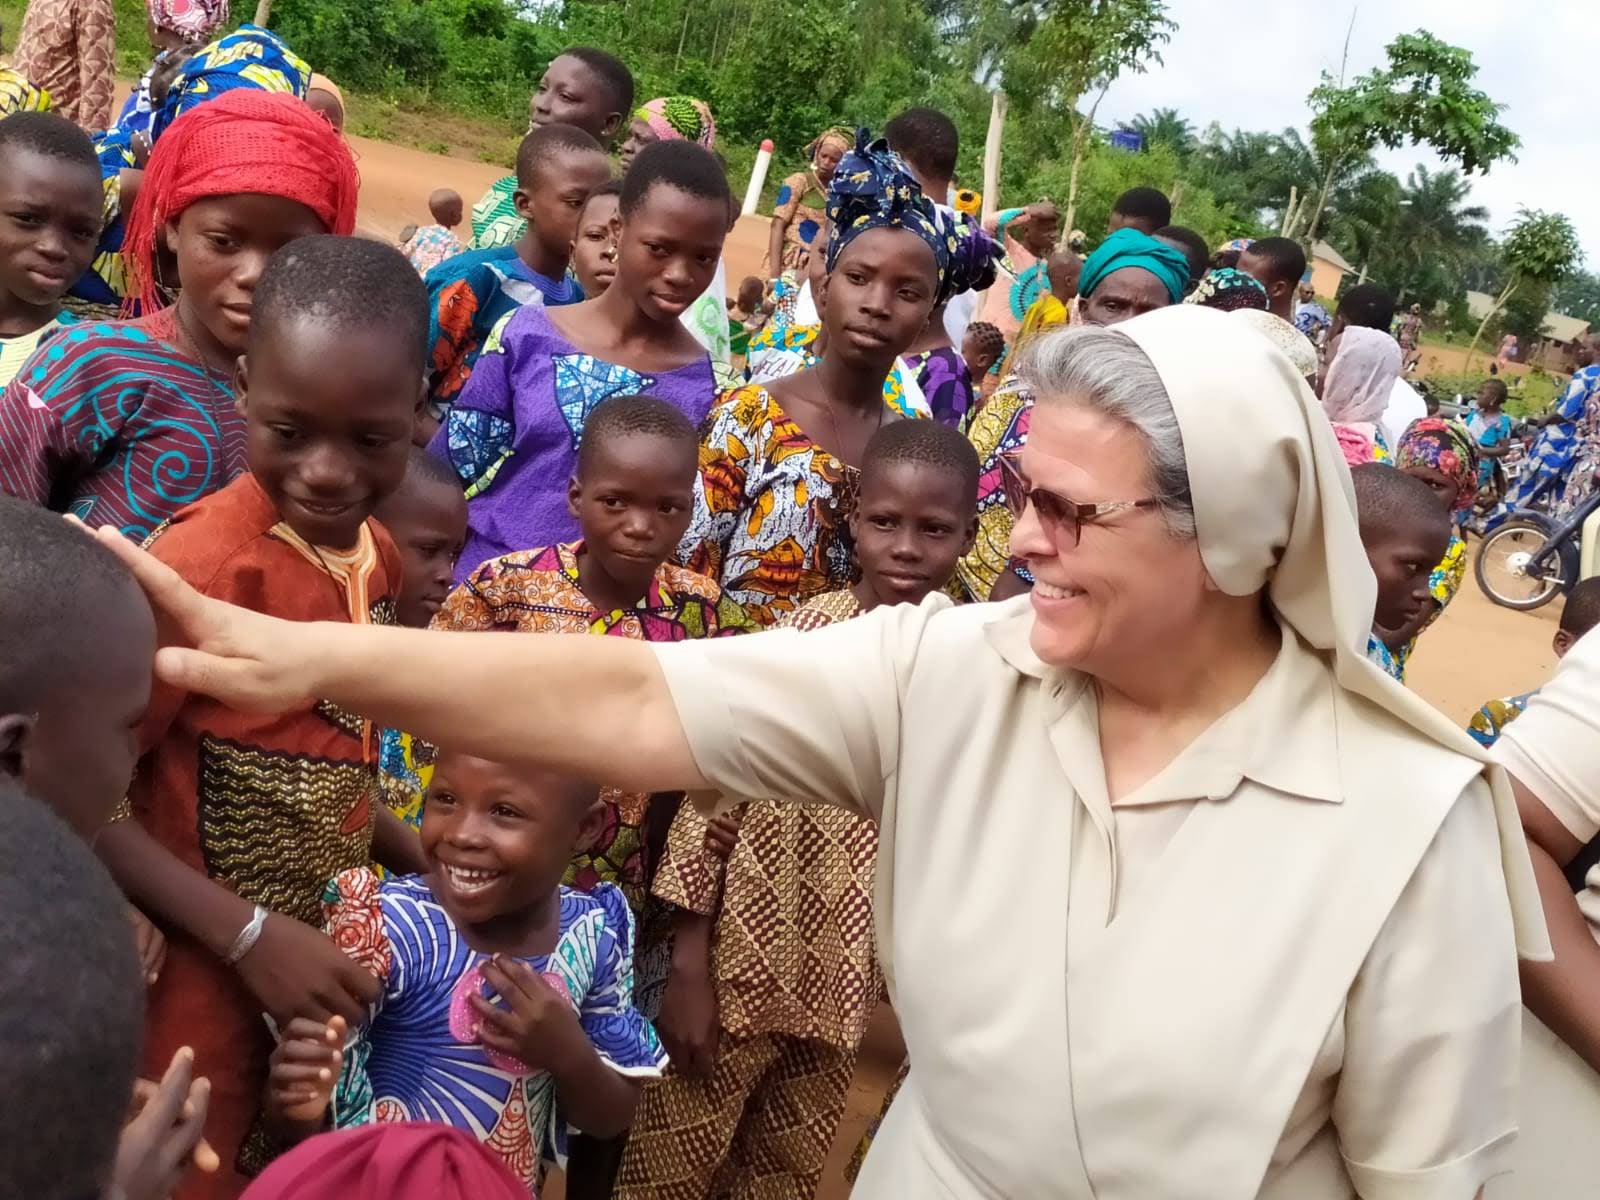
<point>1251,63</point>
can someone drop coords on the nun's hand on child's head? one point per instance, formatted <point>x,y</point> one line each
<point>303,1073</point>
<point>534,1023</point>
<point>162,1139</point>
<point>247,660</point>
<point>294,971</point>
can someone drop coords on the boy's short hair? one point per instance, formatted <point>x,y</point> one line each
<point>547,141</point>
<point>683,165</point>
<point>924,444</point>
<point>1285,257</point>
<point>1582,610</point>
<point>612,72</point>
<point>1495,386</point>
<point>1387,498</point>
<point>927,139</point>
<point>58,582</point>
<point>71,1008</point>
<point>343,283</point>
<point>1192,246</point>
<point>1367,305</point>
<point>49,136</point>
<point>621,416</point>
<point>422,467</point>
<point>1145,204</point>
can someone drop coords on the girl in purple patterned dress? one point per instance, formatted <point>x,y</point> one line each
<point>513,434</point>
<point>507,1003</point>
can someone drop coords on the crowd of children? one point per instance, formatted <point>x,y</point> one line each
<point>521,430</point>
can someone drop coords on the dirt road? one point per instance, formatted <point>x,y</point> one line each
<point>1473,653</point>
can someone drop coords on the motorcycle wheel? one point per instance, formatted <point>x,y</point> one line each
<point>1502,568</point>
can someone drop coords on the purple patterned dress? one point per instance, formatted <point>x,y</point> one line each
<point>513,434</point>
<point>946,383</point>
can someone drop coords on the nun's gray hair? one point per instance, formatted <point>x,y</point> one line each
<point>1105,371</point>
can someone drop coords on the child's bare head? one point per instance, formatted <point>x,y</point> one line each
<point>76,643</point>
<point>1405,531</point>
<point>446,207</point>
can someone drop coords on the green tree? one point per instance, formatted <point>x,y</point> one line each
<point>1051,56</point>
<point>1165,127</point>
<point>1539,251</point>
<point>1578,295</point>
<point>1425,96</point>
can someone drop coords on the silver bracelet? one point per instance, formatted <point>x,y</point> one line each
<point>248,936</point>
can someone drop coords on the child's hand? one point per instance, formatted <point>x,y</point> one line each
<point>152,944</point>
<point>297,971</point>
<point>303,1073</point>
<point>161,1141</point>
<point>722,834</point>
<point>536,1024</point>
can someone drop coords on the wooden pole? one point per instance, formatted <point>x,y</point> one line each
<point>991,154</point>
<point>263,13</point>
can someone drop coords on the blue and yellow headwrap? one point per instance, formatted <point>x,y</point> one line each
<point>1135,248</point>
<point>872,189</point>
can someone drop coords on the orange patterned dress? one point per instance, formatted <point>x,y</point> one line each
<point>770,508</point>
<point>270,806</point>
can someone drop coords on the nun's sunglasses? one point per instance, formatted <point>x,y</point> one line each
<point>1063,519</point>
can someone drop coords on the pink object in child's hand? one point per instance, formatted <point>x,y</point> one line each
<point>466,1026</point>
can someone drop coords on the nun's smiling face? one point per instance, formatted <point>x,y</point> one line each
<point>1124,584</point>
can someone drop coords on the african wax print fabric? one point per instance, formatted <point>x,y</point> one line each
<point>67,48</point>
<point>14,351</point>
<point>271,807</point>
<point>513,435</point>
<point>418,1057</point>
<point>1555,454</point>
<point>495,220</point>
<point>999,429</point>
<point>468,296</point>
<point>429,246</point>
<point>1490,721</point>
<point>770,509</point>
<point>113,423</point>
<point>794,950</point>
<point>536,591</point>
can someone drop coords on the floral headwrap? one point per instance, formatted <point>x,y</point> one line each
<point>872,189</point>
<point>1228,289</point>
<point>680,119</point>
<point>192,20</point>
<point>975,262</point>
<point>1446,447</point>
<point>837,136</point>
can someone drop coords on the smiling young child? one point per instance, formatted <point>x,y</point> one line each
<point>631,491</point>
<point>513,435</point>
<point>236,821</point>
<point>470,294</point>
<point>774,975</point>
<point>50,215</point>
<point>1405,531</point>
<point>505,1006</point>
<point>123,423</point>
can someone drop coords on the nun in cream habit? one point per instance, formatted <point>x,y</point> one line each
<point>1284,964</point>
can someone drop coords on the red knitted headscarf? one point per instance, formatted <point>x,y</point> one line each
<point>403,1161</point>
<point>267,143</point>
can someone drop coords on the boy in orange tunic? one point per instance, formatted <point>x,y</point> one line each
<point>236,821</point>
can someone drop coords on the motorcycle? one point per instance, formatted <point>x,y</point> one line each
<point>1531,558</point>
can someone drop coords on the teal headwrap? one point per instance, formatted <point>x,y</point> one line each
<point>1134,248</point>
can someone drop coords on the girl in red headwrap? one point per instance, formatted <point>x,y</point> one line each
<point>125,422</point>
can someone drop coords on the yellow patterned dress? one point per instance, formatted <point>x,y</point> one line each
<point>770,509</point>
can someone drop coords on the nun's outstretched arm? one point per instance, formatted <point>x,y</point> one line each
<point>590,706</point>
